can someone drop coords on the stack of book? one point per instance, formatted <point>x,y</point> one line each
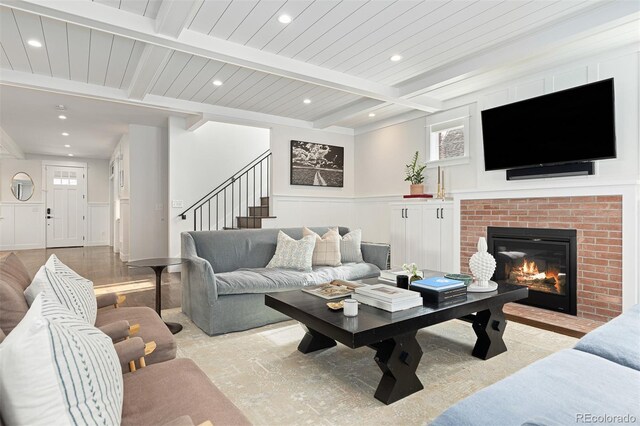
<point>440,289</point>
<point>388,298</point>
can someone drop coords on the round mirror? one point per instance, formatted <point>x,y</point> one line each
<point>22,186</point>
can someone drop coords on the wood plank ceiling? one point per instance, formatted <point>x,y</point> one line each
<point>352,37</point>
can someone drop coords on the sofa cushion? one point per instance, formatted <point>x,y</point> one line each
<point>293,254</point>
<point>618,340</point>
<point>151,328</point>
<point>14,279</point>
<point>264,280</point>
<point>244,248</point>
<point>57,369</point>
<point>327,248</point>
<point>162,392</point>
<point>76,294</point>
<point>559,387</point>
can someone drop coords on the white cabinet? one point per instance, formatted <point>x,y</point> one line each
<point>407,228</point>
<point>422,232</point>
<point>438,240</point>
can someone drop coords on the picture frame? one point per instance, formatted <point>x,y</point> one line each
<point>315,164</point>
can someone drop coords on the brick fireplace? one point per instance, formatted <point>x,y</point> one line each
<point>598,224</point>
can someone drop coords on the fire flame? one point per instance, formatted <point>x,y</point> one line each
<point>530,270</point>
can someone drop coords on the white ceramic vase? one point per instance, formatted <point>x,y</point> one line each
<point>482,265</point>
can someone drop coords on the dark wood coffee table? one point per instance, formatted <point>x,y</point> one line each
<point>393,334</point>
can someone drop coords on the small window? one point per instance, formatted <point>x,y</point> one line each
<point>448,136</point>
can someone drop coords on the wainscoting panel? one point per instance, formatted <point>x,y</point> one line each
<point>21,226</point>
<point>310,211</point>
<point>98,224</point>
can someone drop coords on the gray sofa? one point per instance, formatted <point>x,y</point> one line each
<point>225,280</point>
<point>598,381</point>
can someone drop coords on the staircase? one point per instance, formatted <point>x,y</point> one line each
<point>256,214</point>
<point>240,202</point>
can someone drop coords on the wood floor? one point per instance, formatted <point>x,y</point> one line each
<point>104,268</point>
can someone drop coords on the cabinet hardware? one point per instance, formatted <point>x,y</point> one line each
<point>402,213</point>
<point>441,212</point>
<point>406,213</point>
<point>437,213</point>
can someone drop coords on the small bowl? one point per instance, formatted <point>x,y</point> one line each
<point>466,279</point>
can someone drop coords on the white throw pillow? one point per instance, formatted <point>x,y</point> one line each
<point>57,369</point>
<point>327,249</point>
<point>55,265</point>
<point>76,294</point>
<point>350,247</point>
<point>292,254</point>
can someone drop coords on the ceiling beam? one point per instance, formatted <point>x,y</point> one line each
<point>210,112</point>
<point>115,21</point>
<point>151,64</point>
<point>608,15</point>
<point>356,108</point>
<point>9,145</point>
<point>171,20</point>
<point>173,16</point>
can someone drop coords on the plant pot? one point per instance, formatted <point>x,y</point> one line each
<point>417,189</point>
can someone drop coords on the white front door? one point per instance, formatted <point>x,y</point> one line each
<point>66,206</point>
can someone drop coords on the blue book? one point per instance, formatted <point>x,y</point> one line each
<point>437,284</point>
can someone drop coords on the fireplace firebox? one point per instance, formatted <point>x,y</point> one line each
<point>544,260</point>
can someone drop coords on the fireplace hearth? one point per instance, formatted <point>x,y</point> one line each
<point>544,260</point>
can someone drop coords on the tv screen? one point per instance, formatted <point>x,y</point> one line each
<point>572,125</point>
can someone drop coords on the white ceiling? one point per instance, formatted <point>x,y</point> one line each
<point>94,126</point>
<point>335,53</point>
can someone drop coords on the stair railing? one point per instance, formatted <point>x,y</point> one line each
<point>230,195</point>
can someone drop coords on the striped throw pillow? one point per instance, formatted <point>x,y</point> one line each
<point>293,254</point>
<point>57,369</point>
<point>76,294</point>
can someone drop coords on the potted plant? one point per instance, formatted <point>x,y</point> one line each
<point>415,176</point>
<point>412,271</point>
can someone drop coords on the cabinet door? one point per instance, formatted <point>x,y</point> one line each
<point>414,235</point>
<point>7,227</point>
<point>398,242</point>
<point>431,237</point>
<point>446,239</point>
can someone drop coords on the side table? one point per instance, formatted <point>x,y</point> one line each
<point>158,265</point>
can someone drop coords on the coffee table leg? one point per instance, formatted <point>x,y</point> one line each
<point>398,358</point>
<point>489,326</point>
<point>314,341</point>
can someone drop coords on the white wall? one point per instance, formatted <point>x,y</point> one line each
<point>309,205</point>
<point>202,159</point>
<point>148,182</point>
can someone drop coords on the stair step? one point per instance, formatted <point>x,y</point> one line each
<point>251,222</point>
<point>259,211</point>
<point>264,201</point>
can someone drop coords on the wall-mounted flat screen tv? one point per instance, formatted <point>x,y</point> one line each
<point>573,125</point>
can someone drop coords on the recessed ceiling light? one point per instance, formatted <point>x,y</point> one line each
<point>34,43</point>
<point>396,58</point>
<point>284,19</point>
<point>65,134</point>
<point>67,146</point>
<point>307,101</point>
<point>217,83</point>
<point>62,117</point>
<point>70,155</point>
<point>371,114</point>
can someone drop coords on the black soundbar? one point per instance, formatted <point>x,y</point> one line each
<point>558,170</point>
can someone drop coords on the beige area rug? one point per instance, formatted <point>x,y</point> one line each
<point>262,372</point>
